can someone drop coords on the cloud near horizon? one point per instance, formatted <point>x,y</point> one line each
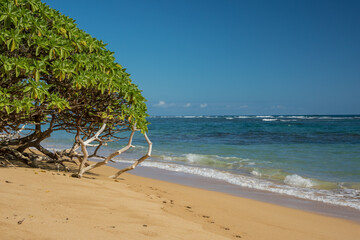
<point>160,104</point>
<point>164,104</point>
<point>187,105</point>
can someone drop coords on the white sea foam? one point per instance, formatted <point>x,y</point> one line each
<point>298,181</point>
<point>210,160</point>
<point>265,116</point>
<point>269,119</point>
<point>349,198</point>
<point>335,118</point>
<point>233,158</point>
<point>229,118</point>
<point>318,117</point>
<point>256,173</point>
<point>193,158</point>
<point>300,117</point>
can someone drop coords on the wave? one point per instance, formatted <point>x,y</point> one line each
<point>195,157</point>
<point>320,117</point>
<point>215,160</point>
<point>256,173</point>
<point>297,186</point>
<point>300,117</point>
<point>298,181</point>
<point>220,162</point>
<point>264,116</point>
<point>269,119</point>
<point>295,117</point>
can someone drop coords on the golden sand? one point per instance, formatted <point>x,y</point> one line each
<point>40,204</point>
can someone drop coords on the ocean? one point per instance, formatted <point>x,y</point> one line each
<point>309,157</point>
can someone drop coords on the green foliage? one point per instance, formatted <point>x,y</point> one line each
<point>48,66</point>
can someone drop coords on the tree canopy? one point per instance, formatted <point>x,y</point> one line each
<point>54,76</point>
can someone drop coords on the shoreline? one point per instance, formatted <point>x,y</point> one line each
<point>43,204</point>
<point>191,180</point>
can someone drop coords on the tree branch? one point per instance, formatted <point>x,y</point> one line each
<point>140,160</point>
<point>82,170</point>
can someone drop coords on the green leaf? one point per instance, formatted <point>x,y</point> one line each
<point>17,71</point>
<point>37,75</point>
<point>51,53</point>
<point>7,109</point>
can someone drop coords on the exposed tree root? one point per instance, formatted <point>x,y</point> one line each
<point>7,162</point>
<point>31,158</point>
<point>12,154</point>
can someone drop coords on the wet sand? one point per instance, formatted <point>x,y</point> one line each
<point>263,196</point>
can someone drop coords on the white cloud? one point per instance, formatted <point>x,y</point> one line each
<point>204,105</point>
<point>163,104</point>
<point>160,104</point>
<point>187,105</point>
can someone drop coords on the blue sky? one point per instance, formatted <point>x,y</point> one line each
<point>234,57</point>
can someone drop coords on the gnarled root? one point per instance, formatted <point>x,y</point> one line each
<point>31,158</point>
<point>12,154</point>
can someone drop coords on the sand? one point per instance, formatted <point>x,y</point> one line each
<point>42,204</point>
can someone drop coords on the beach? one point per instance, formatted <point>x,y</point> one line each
<point>228,120</point>
<point>311,157</point>
<point>44,204</point>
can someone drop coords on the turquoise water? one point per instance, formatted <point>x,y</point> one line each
<point>312,157</point>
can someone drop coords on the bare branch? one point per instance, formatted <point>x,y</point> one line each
<point>83,158</point>
<point>140,160</point>
<point>77,145</point>
<point>82,170</point>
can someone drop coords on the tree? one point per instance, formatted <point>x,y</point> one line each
<point>54,76</point>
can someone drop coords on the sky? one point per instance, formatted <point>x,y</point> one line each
<point>232,57</point>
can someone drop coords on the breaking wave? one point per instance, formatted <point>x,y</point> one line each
<point>296,185</point>
<point>298,181</point>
